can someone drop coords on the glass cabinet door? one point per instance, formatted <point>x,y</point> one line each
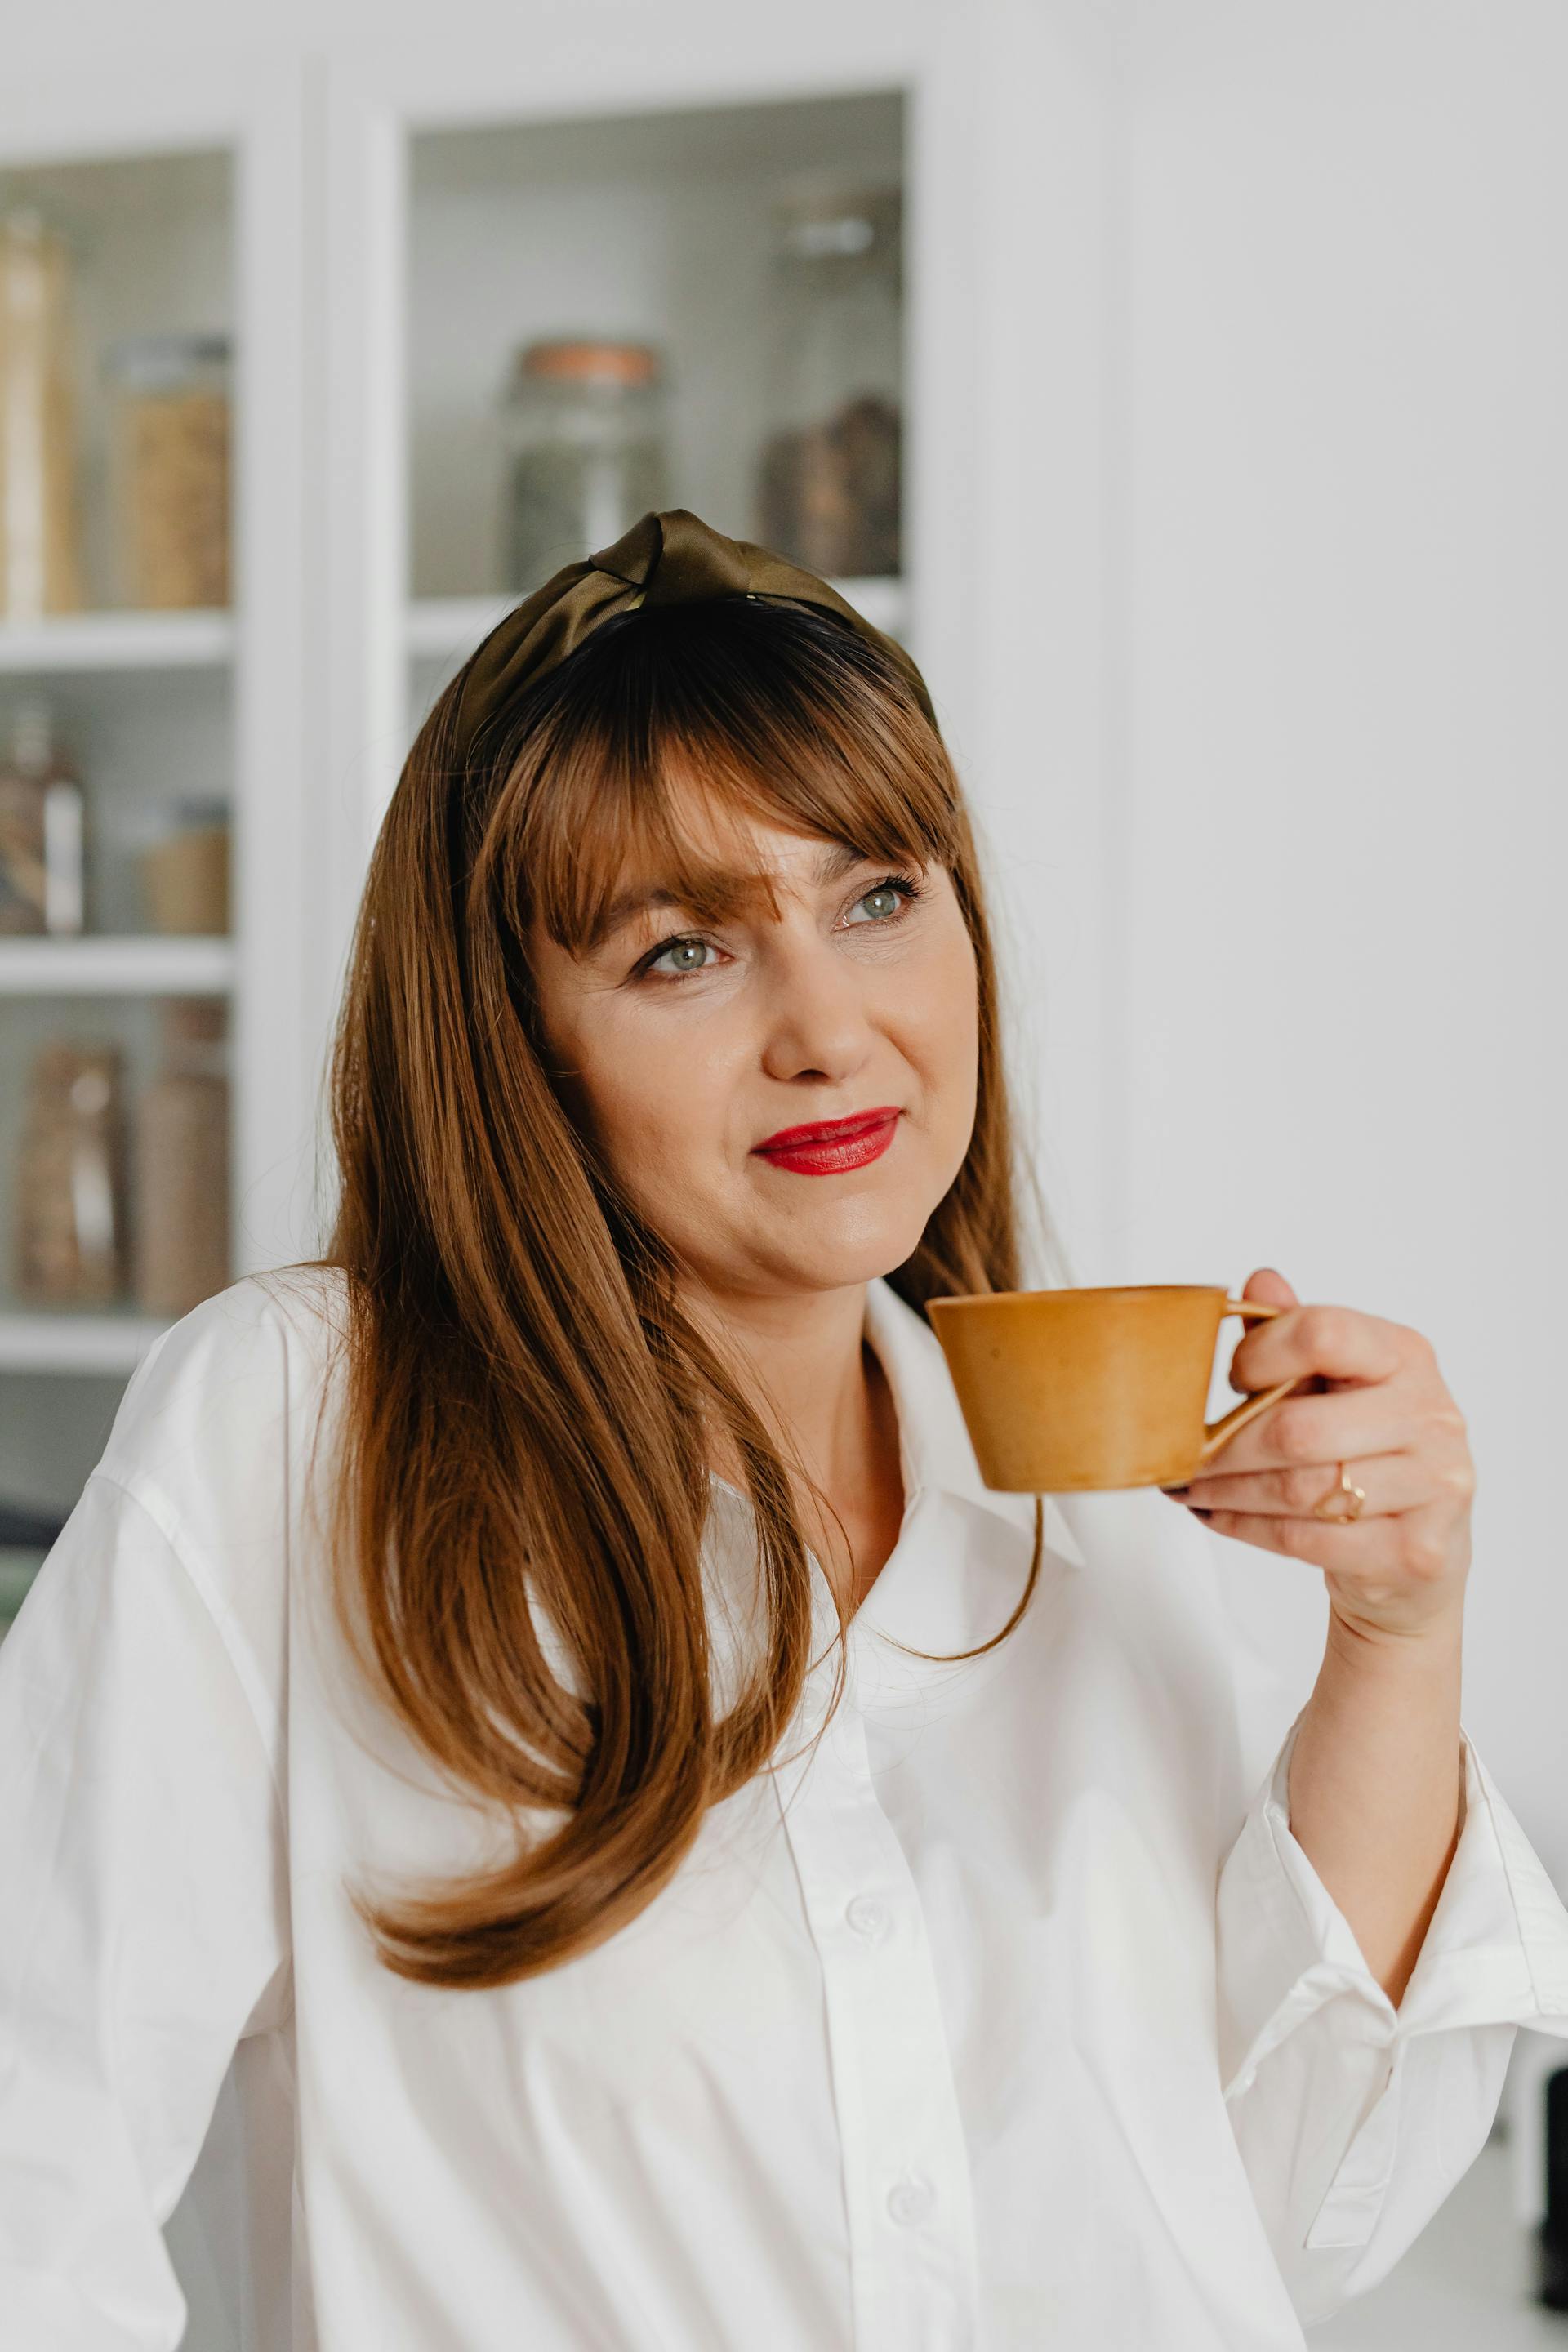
<point>699,307</point>
<point>117,334</point>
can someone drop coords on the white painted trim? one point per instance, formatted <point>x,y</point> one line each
<point>117,641</point>
<point>67,1340</point>
<point>95,965</point>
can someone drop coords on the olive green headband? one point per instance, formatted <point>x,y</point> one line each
<point>668,558</point>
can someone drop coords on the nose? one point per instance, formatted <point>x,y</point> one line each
<point>816,1010</point>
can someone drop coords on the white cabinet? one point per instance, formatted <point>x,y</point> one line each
<point>379,214</point>
<point>177,193</point>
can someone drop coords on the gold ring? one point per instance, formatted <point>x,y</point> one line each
<point>1341,1485</point>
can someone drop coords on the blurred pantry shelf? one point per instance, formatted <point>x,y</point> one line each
<point>117,641</point>
<point>157,965</point>
<point>71,1339</point>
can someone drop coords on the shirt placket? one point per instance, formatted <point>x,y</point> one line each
<point>906,2168</point>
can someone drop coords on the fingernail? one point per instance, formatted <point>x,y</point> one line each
<point>1198,1512</point>
<point>1177,1493</point>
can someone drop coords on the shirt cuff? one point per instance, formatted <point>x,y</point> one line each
<point>1495,1952</point>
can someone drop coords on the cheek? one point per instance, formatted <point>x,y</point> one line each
<point>939,1021</point>
<point>649,1096</point>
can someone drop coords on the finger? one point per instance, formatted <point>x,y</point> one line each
<point>1366,1547</point>
<point>1338,1341</point>
<point>1389,1482</point>
<point>1340,1425</point>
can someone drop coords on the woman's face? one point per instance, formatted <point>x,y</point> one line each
<point>681,1049</point>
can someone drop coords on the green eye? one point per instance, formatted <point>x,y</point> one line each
<point>892,886</point>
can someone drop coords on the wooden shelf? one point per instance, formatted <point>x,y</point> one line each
<point>154,966</point>
<point>70,1339</point>
<point>117,641</point>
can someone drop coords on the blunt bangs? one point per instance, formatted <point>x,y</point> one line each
<point>761,711</point>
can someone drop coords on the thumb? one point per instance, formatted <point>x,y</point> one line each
<point>1270,1288</point>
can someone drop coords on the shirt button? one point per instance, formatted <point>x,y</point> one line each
<point>867,1917</point>
<point>909,2201</point>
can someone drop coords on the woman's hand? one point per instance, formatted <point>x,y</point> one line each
<point>1379,1405</point>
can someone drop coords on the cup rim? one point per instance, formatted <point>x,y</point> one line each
<point>1080,1290</point>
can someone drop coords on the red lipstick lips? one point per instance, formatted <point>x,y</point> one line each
<point>828,1146</point>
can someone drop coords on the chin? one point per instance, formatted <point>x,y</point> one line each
<point>861,1255</point>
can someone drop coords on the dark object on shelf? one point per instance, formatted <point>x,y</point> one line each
<point>68,1237</point>
<point>23,1528</point>
<point>829,493</point>
<point>40,828</point>
<point>828,476</point>
<point>1552,2235</point>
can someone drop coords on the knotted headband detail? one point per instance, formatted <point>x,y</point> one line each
<point>671,557</point>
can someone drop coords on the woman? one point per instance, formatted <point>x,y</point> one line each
<point>537,1745</point>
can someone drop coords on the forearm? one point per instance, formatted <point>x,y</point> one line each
<point>1376,1787</point>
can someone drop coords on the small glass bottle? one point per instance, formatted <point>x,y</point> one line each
<point>41,829</point>
<point>585,431</point>
<point>169,477</point>
<point>828,473</point>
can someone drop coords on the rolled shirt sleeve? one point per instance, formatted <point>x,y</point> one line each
<point>1355,2119</point>
<point>144,1930</point>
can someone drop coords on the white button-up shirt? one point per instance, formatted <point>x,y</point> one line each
<point>1013,2015</point>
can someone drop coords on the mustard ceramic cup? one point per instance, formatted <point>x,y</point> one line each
<point>1068,1390</point>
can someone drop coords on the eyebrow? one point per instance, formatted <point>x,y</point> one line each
<point>838,859</point>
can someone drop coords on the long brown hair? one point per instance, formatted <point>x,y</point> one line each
<point>526,1407</point>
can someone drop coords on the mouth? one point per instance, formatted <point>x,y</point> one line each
<point>829,1145</point>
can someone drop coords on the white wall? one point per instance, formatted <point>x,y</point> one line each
<point>1337,733</point>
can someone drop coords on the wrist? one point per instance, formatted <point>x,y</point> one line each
<point>1431,1646</point>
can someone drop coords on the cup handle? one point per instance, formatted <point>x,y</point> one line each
<point>1216,1432</point>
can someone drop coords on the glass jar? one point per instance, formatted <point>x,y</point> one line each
<point>185,870</point>
<point>40,555</point>
<point>169,470</point>
<point>180,1220</point>
<point>69,1197</point>
<point>585,431</point>
<point>829,474</point>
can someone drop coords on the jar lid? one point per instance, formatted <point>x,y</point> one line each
<point>584,359</point>
<point>147,362</point>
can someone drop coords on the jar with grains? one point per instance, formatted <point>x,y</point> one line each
<point>180,1201</point>
<point>169,470</point>
<point>583,425</point>
<point>829,474</point>
<point>185,872</point>
<point>40,558</point>
<point>70,1234</point>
